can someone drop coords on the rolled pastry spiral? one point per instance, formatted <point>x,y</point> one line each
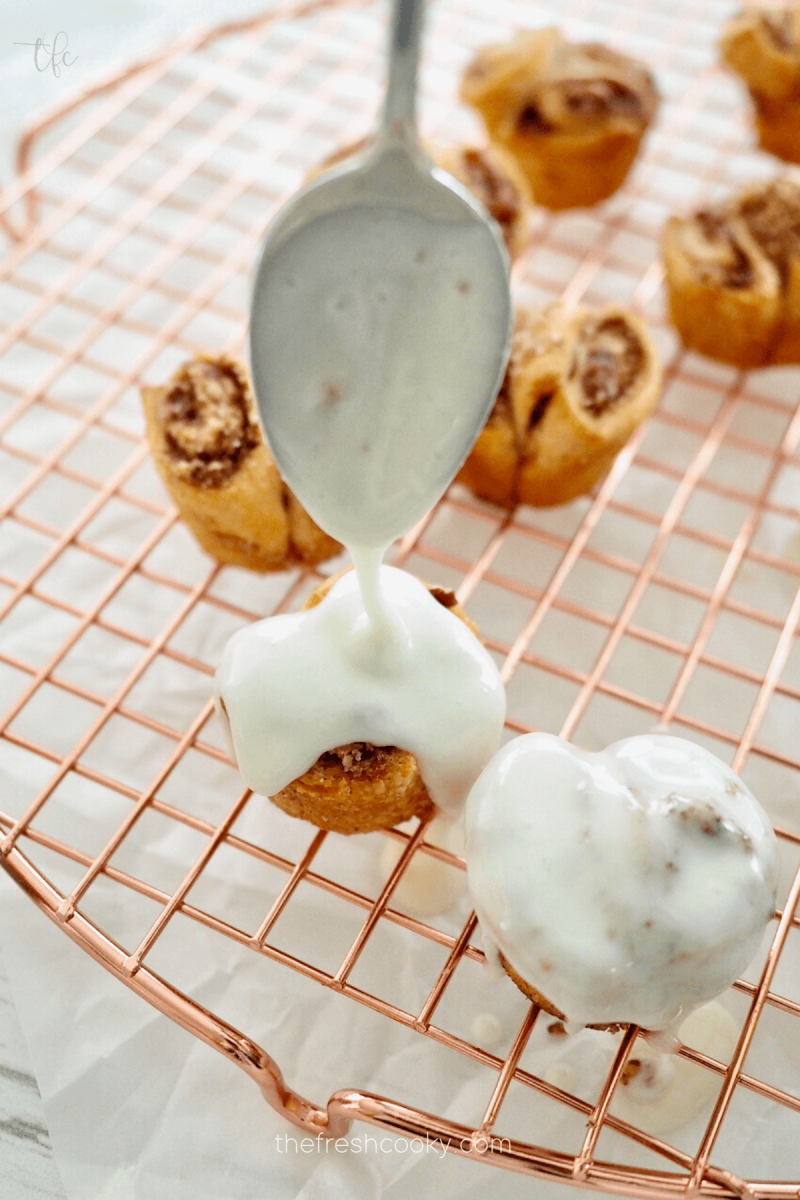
<point>575,389</point>
<point>762,45</point>
<point>208,449</point>
<point>572,116</point>
<point>733,276</point>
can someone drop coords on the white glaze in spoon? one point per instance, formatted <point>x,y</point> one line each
<point>380,326</point>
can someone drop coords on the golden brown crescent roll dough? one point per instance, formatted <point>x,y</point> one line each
<point>492,176</point>
<point>572,116</point>
<point>762,45</point>
<point>208,449</point>
<point>360,787</point>
<point>575,389</point>
<point>546,1005</point>
<point>733,277</point>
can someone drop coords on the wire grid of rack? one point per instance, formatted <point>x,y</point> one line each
<point>128,241</point>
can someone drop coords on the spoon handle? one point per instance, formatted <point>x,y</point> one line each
<point>405,36</point>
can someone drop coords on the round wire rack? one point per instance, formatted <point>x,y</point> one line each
<point>669,597</point>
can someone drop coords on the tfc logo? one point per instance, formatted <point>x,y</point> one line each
<point>57,56</point>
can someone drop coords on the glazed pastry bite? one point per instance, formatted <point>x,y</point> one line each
<point>762,45</point>
<point>625,887</point>
<point>733,277</point>
<point>575,389</point>
<point>493,178</point>
<point>208,449</point>
<point>355,787</point>
<point>359,787</point>
<point>572,116</point>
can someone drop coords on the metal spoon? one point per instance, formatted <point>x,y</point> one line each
<point>380,325</point>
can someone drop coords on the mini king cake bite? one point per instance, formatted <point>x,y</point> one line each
<point>331,733</point>
<point>624,887</point>
<point>733,276</point>
<point>762,45</point>
<point>576,387</point>
<point>571,115</point>
<point>208,448</point>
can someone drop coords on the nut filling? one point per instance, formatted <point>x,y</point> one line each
<point>773,218</point>
<point>502,404</point>
<point>608,359</point>
<point>357,758</point>
<point>532,120</point>
<point>495,190</point>
<point>727,263</point>
<point>734,269</point>
<point>541,405</point>
<point>601,97</point>
<point>589,99</point>
<point>780,29</point>
<point>208,425</point>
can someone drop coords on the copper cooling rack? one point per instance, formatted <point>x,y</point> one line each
<point>670,596</point>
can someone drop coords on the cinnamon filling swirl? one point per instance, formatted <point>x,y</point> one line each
<point>608,359</point>
<point>732,267</point>
<point>208,422</point>
<point>495,190</point>
<point>773,217</point>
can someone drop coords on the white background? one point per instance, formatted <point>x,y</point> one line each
<point>102,37</point>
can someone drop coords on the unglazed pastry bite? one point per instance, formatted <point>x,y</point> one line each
<point>571,115</point>
<point>492,176</point>
<point>733,277</point>
<point>312,720</point>
<point>762,45</point>
<point>209,451</point>
<point>575,389</point>
<point>624,887</point>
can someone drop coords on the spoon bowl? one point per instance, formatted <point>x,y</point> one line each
<point>380,325</point>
